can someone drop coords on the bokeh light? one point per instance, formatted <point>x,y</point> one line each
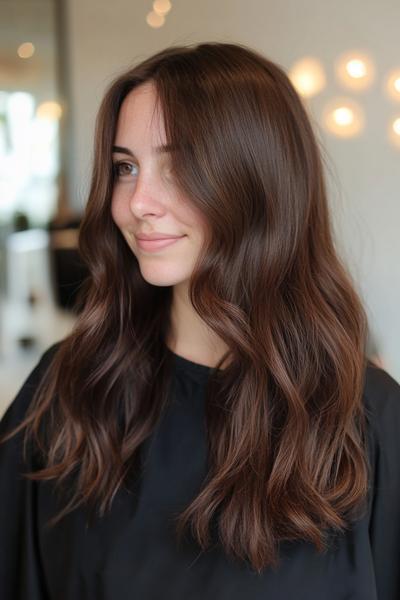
<point>308,76</point>
<point>26,50</point>
<point>392,85</point>
<point>355,70</point>
<point>154,20</point>
<point>394,131</point>
<point>343,118</point>
<point>161,7</point>
<point>49,110</point>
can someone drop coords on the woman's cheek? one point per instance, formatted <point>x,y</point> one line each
<point>117,211</point>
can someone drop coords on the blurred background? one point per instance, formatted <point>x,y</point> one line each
<point>56,59</point>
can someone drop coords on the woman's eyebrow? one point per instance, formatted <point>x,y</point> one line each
<point>122,150</point>
<point>159,149</point>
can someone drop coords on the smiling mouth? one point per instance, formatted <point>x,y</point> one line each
<point>153,245</point>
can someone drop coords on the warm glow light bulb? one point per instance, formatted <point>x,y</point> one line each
<point>49,110</point>
<point>161,7</point>
<point>26,50</point>
<point>391,85</point>
<point>393,132</point>
<point>343,116</point>
<point>356,68</point>
<point>306,82</point>
<point>154,20</point>
<point>307,76</point>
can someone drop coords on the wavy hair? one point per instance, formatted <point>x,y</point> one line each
<point>285,422</point>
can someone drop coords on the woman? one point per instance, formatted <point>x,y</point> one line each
<point>212,427</point>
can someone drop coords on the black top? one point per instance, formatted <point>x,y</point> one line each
<point>131,554</point>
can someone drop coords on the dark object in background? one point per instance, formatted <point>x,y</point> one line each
<point>20,221</point>
<point>27,340</point>
<point>67,269</point>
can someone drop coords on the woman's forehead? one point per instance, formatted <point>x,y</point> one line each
<point>139,118</point>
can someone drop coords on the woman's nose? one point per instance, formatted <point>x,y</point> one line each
<point>146,197</point>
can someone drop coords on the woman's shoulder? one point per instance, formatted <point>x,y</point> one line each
<point>381,394</point>
<point>19,405</point>
<point>381,398</point>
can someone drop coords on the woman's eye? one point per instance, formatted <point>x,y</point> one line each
<point>124,168</point>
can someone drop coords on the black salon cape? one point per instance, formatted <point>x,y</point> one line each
<point>130,554</point>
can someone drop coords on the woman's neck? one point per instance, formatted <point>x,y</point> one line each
<point>189,336</point>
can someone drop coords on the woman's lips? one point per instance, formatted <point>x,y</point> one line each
<point>153,245</point>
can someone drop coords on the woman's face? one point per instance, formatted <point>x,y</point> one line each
<point>145,199</point>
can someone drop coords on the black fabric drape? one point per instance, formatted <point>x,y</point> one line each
<point>131,553</point>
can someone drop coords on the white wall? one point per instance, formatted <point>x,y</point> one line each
<point>106,37</point>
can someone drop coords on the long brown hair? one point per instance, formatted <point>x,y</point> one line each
<point>285,421</point>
